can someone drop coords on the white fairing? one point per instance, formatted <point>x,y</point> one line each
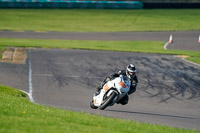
<point>121,85</point>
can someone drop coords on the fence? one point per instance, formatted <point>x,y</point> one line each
<point>71,4</point>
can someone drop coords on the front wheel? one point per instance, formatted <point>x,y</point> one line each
<point>92,105</point>
<point>108,100</point>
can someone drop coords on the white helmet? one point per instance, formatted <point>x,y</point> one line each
<point>130,71</point>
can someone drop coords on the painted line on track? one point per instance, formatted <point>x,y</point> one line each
<point>188,61</point>
<point>166,44</point>
<point>30,94</point>
<point>26,93</point>
<point>165,48</point>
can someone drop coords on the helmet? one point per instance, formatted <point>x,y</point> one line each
<point>130,71</point>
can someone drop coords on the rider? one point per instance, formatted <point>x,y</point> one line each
<point>130,72</point>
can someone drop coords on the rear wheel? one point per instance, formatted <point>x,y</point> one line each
<point>108,100</point>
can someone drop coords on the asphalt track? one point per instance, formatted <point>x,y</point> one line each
<point>168,92</point>
<point>181,40</point>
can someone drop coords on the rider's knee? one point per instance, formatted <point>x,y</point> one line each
<point>124,100</point>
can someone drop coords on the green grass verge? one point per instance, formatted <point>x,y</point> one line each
<point>128,46</point>
<point>19,115</point>
<point>2,48</point>
<point>78,20</point>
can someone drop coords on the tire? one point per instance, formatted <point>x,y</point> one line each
<point>92,105</point>
<point>108,101</point>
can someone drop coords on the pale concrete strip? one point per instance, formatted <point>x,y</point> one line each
<point>14,55</point>
<point>8,54</point>
<point>20,55</point>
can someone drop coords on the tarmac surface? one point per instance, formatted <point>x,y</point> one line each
<point>181,40</point>
<point>168,92</point>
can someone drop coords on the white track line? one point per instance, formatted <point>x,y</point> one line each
<point>188,61</point>
<point>26,93</point>
<point>165,46</point>
<point>30,78</point>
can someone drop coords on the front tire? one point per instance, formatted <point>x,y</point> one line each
<point>92,105</point>
<point>108,100</point>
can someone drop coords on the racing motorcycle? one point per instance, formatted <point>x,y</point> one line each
<point>112,92</point>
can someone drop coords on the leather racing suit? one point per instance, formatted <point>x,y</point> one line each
<point>134,82</point>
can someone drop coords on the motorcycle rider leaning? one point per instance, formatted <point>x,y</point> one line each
<point>130,72</point>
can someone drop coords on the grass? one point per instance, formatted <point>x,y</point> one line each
<point>130,46</point>
<point>2,48</point>
<point>19,115</point>
<point>78,20</point>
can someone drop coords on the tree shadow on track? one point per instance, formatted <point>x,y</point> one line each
<point>160,76</point>
<point>56,72</point>
<point>169,80</point>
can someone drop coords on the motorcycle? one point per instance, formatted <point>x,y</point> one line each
<point>112,92</point>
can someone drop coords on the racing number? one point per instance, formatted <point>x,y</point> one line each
<point>106,87</point>
<point>122,84</point>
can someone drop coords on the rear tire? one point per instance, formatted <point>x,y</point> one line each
<point>92,105</point>
<point>108,101</point>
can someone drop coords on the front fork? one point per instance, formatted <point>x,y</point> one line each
<point>116,98</point>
